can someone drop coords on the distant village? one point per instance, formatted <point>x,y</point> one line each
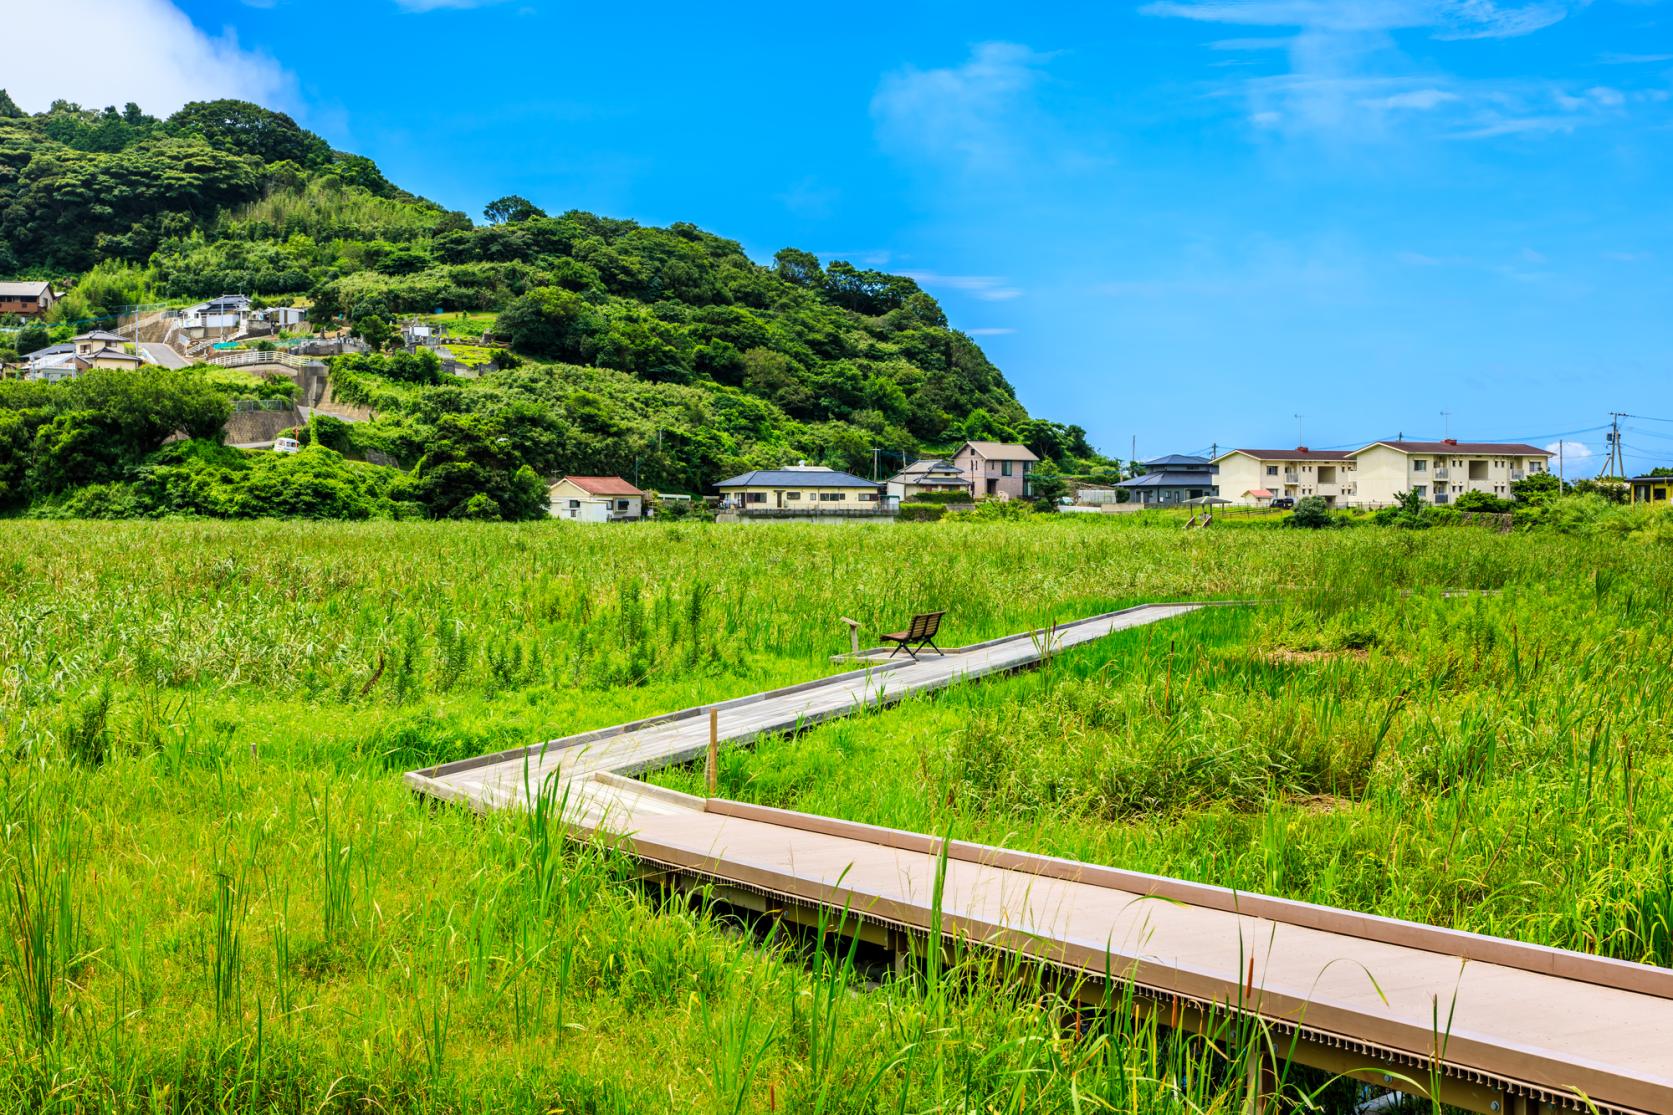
<point>231,331</point>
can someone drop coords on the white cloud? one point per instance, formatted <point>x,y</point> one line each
<point>963,112</point>
<point>161,59</point>
<point>990,331</point>
<point>989,288</point>
<point>1349,81</point>
<point>1633,59</point>
<point>443,5</point>
<point>1571,453</point>
<point>1420,99</point>
<point>1446,19</point>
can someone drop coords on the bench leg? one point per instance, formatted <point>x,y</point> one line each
<point>935,648</point>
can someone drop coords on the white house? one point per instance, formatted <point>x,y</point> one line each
<point>595,499</point>
<point>1256,476</point>
<point>803,490</point>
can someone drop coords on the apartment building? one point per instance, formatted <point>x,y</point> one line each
<point>1441,471</point>
<point>1257,476</point>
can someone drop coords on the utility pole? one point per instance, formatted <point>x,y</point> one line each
<point>1213,450</point>
<point>1616,464</point>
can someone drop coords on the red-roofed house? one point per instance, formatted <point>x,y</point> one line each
<point>595,499</point>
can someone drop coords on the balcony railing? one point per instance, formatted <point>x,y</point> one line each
<point>1292,477</point>
<point>1516,474</point>
<point>1440,474</point>
<point>1440,497</point>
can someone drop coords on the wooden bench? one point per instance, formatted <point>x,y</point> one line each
<point>918,634</point>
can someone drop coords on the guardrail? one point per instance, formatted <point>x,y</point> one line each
<point>246,357</point>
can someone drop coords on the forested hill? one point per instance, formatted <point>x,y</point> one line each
<point>820,361</point>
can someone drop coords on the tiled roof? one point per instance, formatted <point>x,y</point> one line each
<point>1301,453</point>
<point>1501,448</point>
<point>1000,451</point>
<point>604,485</point>
<point>24,290</point>
<point>796,478</point>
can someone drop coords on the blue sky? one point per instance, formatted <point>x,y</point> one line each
<point>1184,220</point>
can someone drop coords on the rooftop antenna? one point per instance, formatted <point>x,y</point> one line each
<point>1446,424</point>
<point>1299,440</point>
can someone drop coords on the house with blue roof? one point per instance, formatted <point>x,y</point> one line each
<point>801,491</point>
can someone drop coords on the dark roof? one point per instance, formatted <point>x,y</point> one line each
<point>1171,480</point>
<point>1176,459</point>
<point>49,350</point>
<point>604,485</point>
<point>796,478</point>
<point>1300,453</point>
<point>1503,448</point>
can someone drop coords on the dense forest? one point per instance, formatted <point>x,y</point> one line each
<point>665,353</point>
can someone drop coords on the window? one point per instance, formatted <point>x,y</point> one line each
<point>1272,470</point>
<point>621,505</point>
<point>1005,469</point>
<point>830,497</point>
<point>868,497</point>
<point>755,497</point>
<point>792,495</point>
<point>574,505</point>
<point>1421,490</point>
<point>1420,466</point>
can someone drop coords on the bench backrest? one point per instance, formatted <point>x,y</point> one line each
<point>925,625</point>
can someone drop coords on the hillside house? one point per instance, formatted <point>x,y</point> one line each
<point>28,299</point>
<point>218,317</point>
<point>68,359</point>
<point>926,476</point>
<point>996,470</point>
<point>1171,480</point>
<point>806,491</point>
<point>595,499</point>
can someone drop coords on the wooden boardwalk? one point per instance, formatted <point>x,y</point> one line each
<point>1497,1026</point>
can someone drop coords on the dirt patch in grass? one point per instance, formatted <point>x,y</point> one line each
<point>1322,803</point>
<point>1288,656</point>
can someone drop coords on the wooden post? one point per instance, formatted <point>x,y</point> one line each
<point>711,770</point>
<point>853,636</point>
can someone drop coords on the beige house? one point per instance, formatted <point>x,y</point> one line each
<point>1441,471</point>
<point>927,476</point>
<point>595,499</point>
<point>1256,476</point>
<point>996,470</point>
<point>800,491</point>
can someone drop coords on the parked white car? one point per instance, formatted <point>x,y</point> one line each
<point>286,445</point>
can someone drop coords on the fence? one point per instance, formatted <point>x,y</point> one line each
<point>246,357</point>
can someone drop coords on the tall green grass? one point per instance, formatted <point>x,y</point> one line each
<point>218,896</point>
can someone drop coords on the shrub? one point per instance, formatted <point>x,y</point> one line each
<point>994,511</point>
<point>921,512</point>
<point>1481,501</point>
<point>1312,513</point>
<point>945,498</point>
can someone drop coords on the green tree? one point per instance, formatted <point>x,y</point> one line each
<point>248,129</point>
<point>1312,513</point>
<point>8,107</point>
<point>32,338</point>
<point>1046,486</point>
<point>1537,485</point>
<point>375,331</point>
<point>511,209</point>
<point>799,268</point>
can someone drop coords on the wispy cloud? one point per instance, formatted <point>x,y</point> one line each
<point>1612,59</point>
<point>1347,79</point>
<point>808,198</point>
<point>989,288</point>
<point>443,5</point>
<point>182,62</point>
<point>991,331</point>
<point>964,112</point>
<point>1445,19</point>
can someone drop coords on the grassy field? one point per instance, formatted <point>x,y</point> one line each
<point>216,895</point>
